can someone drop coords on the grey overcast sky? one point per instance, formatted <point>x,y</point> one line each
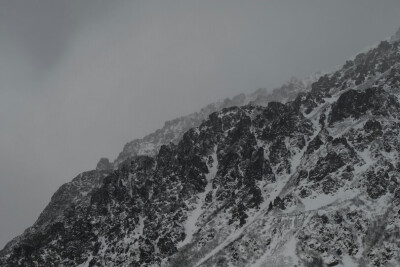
<point>80,78</point>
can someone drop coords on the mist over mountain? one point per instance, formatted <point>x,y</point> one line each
<point>80,79</point>
<point>307,175</point>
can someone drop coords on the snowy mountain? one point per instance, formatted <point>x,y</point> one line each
<point>173,130</point>
<point>310,182</point>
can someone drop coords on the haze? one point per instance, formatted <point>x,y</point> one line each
<point>79,79</point>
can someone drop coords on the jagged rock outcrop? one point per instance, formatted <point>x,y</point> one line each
<point>311,182</point>
<point>104,165</point>
<point>173,130</point>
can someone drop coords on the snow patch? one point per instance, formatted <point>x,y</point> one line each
<point>320,200</point>
<point>365,155</point>
<point>194,215</point>
<point>348,261</point>
<point>279,186</point>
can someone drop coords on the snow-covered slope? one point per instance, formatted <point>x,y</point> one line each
<point>311,182</point>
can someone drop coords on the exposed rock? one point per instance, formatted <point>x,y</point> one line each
<point>312,182</point>
<point>104,165</point>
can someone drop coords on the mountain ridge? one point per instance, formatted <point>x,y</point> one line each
<point>312,182</point>
<point>173,130</point>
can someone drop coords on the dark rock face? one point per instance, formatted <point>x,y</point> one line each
<point>313,182</point>
<point>314,145</point>
<point>355,104</point>
<point>331,163</point>
<point>319,91</point>
<point>372,126</point>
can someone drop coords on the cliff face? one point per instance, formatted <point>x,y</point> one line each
<point>311,182</point>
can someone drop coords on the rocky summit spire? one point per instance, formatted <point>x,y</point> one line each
<point>104,165</point>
